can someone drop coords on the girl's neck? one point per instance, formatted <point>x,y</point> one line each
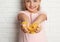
<point>33,11</point>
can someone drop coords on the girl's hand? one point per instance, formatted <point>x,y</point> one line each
<point>38,29</point>
<point>25,26</point>
<point>23,18</point>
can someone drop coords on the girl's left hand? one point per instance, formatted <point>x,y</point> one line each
<point>38,29</point>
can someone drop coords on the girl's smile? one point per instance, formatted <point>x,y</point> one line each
<point>32,7</point>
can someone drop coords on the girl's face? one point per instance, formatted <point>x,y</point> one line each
<point>32,5</point>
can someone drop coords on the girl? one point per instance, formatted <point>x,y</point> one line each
<point>30,22</point>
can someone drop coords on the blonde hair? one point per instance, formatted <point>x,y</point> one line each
<point>27,9</point>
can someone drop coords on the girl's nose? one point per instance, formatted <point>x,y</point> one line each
<point>31,3</point>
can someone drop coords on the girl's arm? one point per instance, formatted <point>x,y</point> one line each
<point>40,18</point>
<point>22,18</point>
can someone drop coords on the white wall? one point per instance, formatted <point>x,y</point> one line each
<point>8,20</point>
<point>52,7</point>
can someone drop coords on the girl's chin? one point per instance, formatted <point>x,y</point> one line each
<point>32,9</point>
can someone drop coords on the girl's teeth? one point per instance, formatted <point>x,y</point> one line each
<point>32,7</point>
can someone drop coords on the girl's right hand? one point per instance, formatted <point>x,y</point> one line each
<point>25,26</point>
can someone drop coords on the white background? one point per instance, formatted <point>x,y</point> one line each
<point>8,20</point>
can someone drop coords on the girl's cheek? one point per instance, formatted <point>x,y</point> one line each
<point>27,4</point>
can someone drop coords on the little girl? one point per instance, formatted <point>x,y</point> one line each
<point>30,22</point>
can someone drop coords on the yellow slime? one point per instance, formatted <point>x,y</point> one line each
<point>31,28</point>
